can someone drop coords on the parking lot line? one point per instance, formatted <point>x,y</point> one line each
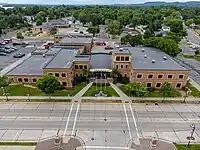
<point>77,110</point>
<point>127,121</point>
<point>68,119</point>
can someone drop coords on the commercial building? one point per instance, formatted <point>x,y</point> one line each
<point>147,66</point>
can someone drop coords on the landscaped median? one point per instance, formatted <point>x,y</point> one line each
<point>191,147</point>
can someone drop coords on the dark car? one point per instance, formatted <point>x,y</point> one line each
<point>3,54</point>
<point>108,48</point>
<point>19,55</point>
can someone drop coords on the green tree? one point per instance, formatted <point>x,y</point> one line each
<point>132,40</point>
<point>197,52</point>
<point>189,22</point>
<point>136,89</point>
<point>167,90</point>
<point>19,35</point>
<point>114,28</point>
<point>176,25</point>
<point>4,82</point>
<point>48,84</point>
<point>53,31</point>
<point>93,29</point>
<point>135,21</point>
<point>38,22</point>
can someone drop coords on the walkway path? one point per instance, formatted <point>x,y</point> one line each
<point>122,95</point>
<point>78,96</point>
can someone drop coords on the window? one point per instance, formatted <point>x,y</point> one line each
<point>139,76</point>
<point>160,76</point>
<point>122,58</point>
<point>122,66</point>
<point>181,76</point>
<point>34,80</point>
<point>57,74</point>
<point>150,76</point>
<point>25,80</point>
<point>127,58</point>
<point>126,66</point>
<point>85,67</point>
<point>125,75</point>
<point>76,66</point>
<point>20,79</point>
<point>117,66</point>
<point>50,74</point>
<point>148,84</point>
<point>64,83</point>
<point>80,67</point>
<point>178,85</point>
<point>63,75</point>
<point>117,58</point>
<point>158,85</point>
<point>170,76</point>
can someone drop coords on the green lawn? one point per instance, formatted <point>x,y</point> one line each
<point>20,90</point>
<point>154,93</point>
<point>195,92</point>
<point>96,89</point>
<point>196,57</point>
<point>192,147</point>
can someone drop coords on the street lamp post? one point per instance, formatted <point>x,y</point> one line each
<point>191,134</point>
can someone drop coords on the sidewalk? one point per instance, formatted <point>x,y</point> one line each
<point>17,147</point>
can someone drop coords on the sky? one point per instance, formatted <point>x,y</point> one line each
<point>84,1</point>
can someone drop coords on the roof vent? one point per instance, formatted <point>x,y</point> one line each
<point>153,61</point>
<point>143,50</point>
<point>145,56</point>
<point>165,58</point>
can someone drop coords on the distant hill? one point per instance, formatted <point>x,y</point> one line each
<point>184,4</point>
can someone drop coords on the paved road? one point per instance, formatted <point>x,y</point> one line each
<point>193,37</point>
<point>110,125</point>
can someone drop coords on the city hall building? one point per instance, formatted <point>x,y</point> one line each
<point>147,66</point>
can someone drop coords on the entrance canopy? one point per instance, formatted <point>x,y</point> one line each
<point>101,70</point>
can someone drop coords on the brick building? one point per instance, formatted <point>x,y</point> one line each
<point>148,66</point>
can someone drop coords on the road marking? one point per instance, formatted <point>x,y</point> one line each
<point>127,121</point>
<point>104,147</point>
<point>134,120</point>
<point>75,120</point>
<point>68,119</point>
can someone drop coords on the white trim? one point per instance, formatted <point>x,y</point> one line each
<point>179,83</point>
<point>101,70</point>
<point>147,83</point>
<point>162,76</point>
<point>181,78</point>
<point>157,83</point>
<point>150,74</point>
<point>171,75</point>
<point>139,74</point>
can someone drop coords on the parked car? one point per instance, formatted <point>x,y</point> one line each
<point>108,48</point>
<point>100,43</point>
<point>12,50</point>
<point>3,54</point>
<point>7,51</point>
<point>19,55</point>
<point>11,47</point>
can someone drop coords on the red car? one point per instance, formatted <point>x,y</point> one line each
<point>102,43</point>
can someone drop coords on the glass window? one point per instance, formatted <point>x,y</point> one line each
<point>178,85</point>
<point>122,66</point>
<point>150,76</point>
<point>127,58</point>
<point>76,66</point>
<point>85,67</point>
<point>117,58</point>
<point>50,74</point>
<point>57,74</point>
<point>25,80</point>
<point>122,58</point>
<point>64,83</point>
<point>148,84</point>
<point>125,75</point>
<point>80,67</point>
<point>139,76</point>
<point>63,75</point>
<point>160,76</point>
<point>20,79</point>
<point>34,80</point>
<point>117,66</point>
<point>181,76</point>
<point>126,66</point>
<point>170,76</point>
<point>158,84</point>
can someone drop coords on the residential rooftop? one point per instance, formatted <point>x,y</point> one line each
<point>31,66</point>
<point>64,59</point>
<point>101,61</point>
<point>145,58</point>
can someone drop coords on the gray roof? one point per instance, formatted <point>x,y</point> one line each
<point>64,59</point>
<point>99,61</point>
<point>77,40</point>
<point>31,66</point>
<point>141,63</point>
<point>53,51</point>
<point>82,58</point>
<point>122,51</point>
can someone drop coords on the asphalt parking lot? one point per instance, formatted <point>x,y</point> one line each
<point>103,125</point>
